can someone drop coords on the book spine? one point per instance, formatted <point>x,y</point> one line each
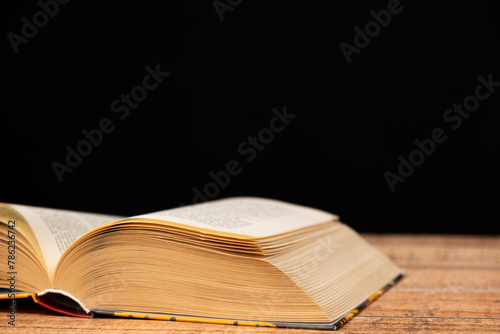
<point>20,295</point>
<point>156,316</point>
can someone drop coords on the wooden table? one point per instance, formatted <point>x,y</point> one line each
<point>452,286</point>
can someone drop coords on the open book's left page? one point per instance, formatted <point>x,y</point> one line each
<point>56,229</point>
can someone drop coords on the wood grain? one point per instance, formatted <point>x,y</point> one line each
<point>452,286</point>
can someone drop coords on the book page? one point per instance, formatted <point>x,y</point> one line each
<point>56,229</point>
<point>256,217</point>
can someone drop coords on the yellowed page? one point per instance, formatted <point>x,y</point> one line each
<point>56,229</point>
<point>251,216</point>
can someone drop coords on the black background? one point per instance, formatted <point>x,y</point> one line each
<point>353,120</point>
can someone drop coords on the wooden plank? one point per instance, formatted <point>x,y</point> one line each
<point>442,304</point>
<point>423,251</point>
<point>450,279</point>
<point>387,325</point>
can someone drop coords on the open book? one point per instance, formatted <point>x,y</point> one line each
<point>238,261</point>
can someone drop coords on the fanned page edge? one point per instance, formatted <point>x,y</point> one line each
<point>333,325</point>
<point>300,217</point>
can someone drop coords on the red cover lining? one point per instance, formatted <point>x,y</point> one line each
<point>63,310</point>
